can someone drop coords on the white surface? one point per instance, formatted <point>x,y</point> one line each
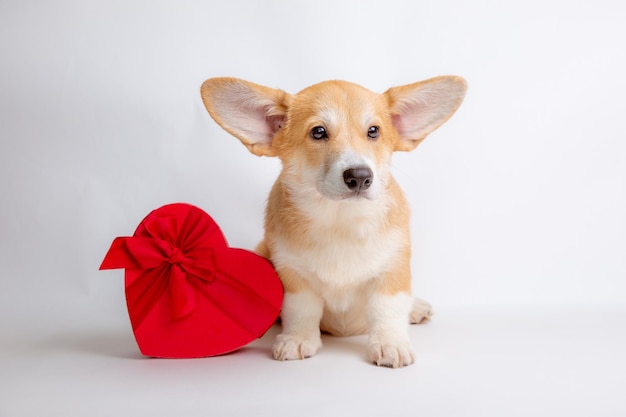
<point>518,201</point>
<point>541,362</point>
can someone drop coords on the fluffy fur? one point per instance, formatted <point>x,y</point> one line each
<point>337,223</point>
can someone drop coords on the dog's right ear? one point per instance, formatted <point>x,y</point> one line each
<point>419,108</point>
<point>250,112</point>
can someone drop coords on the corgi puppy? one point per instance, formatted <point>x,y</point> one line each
<point>337,223</point>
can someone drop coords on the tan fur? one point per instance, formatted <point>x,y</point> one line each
<point>344,252</point>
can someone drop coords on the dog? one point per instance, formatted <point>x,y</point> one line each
<point>337,223</point>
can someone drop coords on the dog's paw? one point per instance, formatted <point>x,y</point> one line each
<point>421,312</point>
<point>391,355</point>
<point>290,347</point>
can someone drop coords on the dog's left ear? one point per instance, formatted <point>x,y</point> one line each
<point>420,108</point>
<point>250,112</point>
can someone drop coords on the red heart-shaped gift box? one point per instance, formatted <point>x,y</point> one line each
<point>188,293</point>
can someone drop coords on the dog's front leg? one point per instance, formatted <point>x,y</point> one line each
<point>387,319</point>
<point>300,316</point>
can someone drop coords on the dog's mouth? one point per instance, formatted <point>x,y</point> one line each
<point>348,195</point>
<point>356,195</point>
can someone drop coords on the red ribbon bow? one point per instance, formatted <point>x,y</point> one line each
<point>176,259</point>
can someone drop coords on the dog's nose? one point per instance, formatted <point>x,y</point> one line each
<point>358,178</point>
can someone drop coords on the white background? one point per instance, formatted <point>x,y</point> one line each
<point>518,202</point>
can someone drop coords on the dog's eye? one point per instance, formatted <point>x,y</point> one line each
<point>372,132</point>
<point>319,133</point>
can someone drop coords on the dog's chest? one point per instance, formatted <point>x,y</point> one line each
<point>333,259</point>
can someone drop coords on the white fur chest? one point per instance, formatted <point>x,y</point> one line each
<point>346,246</point>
